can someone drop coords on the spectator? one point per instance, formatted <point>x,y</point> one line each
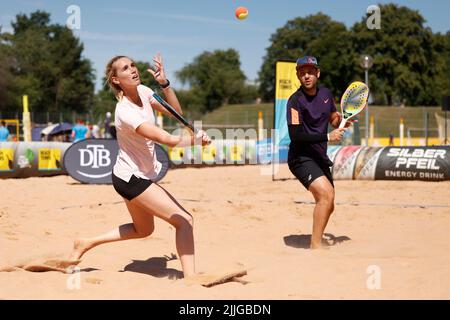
<point>79,132</point>
<point>108,126</point>
<point>4,132</point>
<point>391,139</point>
<point>89,130</point>
<point>112,131</point>
<point>95,132</point>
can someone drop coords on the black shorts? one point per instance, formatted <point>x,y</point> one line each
<point>132,188</point>
<point>307,169</point>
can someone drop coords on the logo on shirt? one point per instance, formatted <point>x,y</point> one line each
<point>90,161</point>
<point>295,119</point>
<point>326,101</point>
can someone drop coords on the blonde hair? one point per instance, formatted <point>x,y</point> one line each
<point>111,72</point>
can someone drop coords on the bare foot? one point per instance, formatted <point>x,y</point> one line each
<point>316,245</point>
<point>320,245</point>
<point>216,278</point>
<point>80,246</point>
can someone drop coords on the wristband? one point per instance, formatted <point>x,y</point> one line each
<point>166,85</point>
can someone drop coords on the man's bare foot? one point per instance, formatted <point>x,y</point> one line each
<point>316,245</point>
<point>324,244</point>
<point>80,246</point>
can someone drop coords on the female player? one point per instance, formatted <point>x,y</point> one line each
<point>137,164</point>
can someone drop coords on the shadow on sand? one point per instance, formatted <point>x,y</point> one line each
<point>303,241</point>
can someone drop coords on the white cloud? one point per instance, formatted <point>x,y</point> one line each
<point>7,29</point>
<point>5,22</point>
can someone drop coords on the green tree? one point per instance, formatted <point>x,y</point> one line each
<point>405,59</point>
<point>48,66</point>
<point>317,35</point>
<point>442,48</point>
<point>7,89</point>
<point>214,78</point>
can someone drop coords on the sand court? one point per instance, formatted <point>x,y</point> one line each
<point>385,240</point>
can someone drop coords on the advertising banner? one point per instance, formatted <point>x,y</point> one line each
<point>286,83</point>
<point>332,152</point>
<point>414,163</point>
<point>344,162</point>
<point>91,161</point>
<point>31,159</point>
<point>6,160</point>
<point>366,163</point>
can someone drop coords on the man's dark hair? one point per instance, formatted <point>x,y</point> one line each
<point>3,123</point>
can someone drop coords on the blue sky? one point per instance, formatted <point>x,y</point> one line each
<point>182,29</point>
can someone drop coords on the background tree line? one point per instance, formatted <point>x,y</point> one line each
<point>411,64</point>
<point>45,62</point>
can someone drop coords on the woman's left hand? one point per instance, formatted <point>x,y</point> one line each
<point>158,73</point>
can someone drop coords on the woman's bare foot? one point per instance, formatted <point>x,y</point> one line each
<point>80,246</point>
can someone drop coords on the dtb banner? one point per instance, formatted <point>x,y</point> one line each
<point>91,161</point>
<point>414,163</point>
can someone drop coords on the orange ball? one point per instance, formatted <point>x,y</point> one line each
<point>241,13</point>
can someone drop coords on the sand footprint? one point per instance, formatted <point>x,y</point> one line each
<point>43,265</point>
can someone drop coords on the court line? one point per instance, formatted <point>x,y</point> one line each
<point>374,204</point>
<point>307,202</point>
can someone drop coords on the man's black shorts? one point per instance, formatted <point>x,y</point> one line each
<point>307,169</point>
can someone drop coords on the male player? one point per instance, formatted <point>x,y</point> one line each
<point>309,111</point>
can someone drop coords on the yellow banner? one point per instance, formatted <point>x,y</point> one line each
<point>209,154</point>
<point>49,159</point>
<point>286,80</point>
<point>6,159</point>
<point>176,154</point>
<point>236,153</point>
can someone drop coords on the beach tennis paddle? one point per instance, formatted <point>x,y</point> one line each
<point>177,116</point>
<point>353,101</point>
<point>172,110</point>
